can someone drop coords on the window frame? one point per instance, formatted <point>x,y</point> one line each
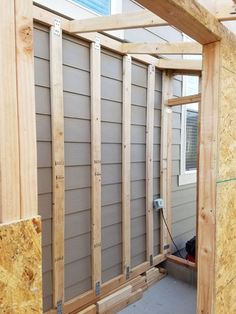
<point>113,8</point>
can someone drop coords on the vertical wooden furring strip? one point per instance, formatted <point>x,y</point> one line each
<point>126,138</point>
<point>9,144</point>
<point>58,170</point>
<point>149,162</point>
<point>208,157</point>
<point>26,107</point>
<point>166,162</point>
<point>95,61</point>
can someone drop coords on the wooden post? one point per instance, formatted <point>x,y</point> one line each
<point>57,118</point>
<point>166,162</point>
<point>26,108</point>
<point>149,161</point>
<point>9,143</point>
<point>96,163</point>
<point>126,134</point>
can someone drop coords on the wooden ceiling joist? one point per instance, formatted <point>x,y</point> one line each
<point>173,64</point>
<point>190,17</point>
<point>140,19</point>
<point>177,48</point>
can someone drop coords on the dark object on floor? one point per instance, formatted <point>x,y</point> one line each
<point>190,249</point>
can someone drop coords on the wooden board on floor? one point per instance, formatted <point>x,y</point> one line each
<point>107,303</point>
<point>21,267</point>
<point>92,309</point>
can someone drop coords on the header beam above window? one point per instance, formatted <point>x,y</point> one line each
<point>116,22</point>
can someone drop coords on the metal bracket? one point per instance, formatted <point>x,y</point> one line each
<point>57,27</point>
<point>151,260</point>
<point>97,43</point>
<point>127,272</point>
<point>98,288</point>
<point>152,68</point>
<point>59,307</point>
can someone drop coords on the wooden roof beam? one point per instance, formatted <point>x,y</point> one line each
<point>191,18</point>
<point>177,48</point>
<point>172,64</point>
<point>138,19</point>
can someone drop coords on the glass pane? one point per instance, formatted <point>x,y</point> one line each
<point>102,7</point>
<point>191,140</point>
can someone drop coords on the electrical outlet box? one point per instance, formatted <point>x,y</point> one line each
<point>158,203</point>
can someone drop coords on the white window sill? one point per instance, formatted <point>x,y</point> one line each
<point>188,178</point>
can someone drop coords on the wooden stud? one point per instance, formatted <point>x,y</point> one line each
<point>9,145</point>
<point>207,178</point>
<point>26,108</point>
<point>95,73</point>
<point>177,48</point>
<point>184,100</point>
<point>149,161</point>
<point>58,171</point>
<point>142,18</point>
<point>126,134</point>
<point>166,162</point>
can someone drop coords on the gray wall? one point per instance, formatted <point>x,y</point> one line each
<point>76,67</point>
<point>183,197</point>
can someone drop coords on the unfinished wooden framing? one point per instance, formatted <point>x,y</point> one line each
<point>217,168</point>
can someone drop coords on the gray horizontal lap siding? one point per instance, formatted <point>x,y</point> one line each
<point>111,141</point>
<point>44,156</point>
<point>77,125</point>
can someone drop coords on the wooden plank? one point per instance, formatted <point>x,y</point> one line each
<point>20,272</point>
<point>134,297</point>
<point>95,74</point>
<point>92,309</point>
<point>89,297</point>
<point>225,11</point>
<point>181,261</point>
<point>149,162</point>
<point>207,179</point>
<point>26,108</point>
<point>166,162</point>
<point>126,135</point>
<point>195,20</point>
<point>177,48</point>
<point>108,302</point>
<point>142,18</point>
<point>58,171</point>
<point>189,65</point>
<point>184,100</point>
<point>9,145</point>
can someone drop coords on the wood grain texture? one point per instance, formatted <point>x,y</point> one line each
<point>92,309</point>
<point>184,100</point>
<point>95,54</point>
<point>58,171</point>
<point>21,267</point>
<point>126,136</point>
<point>26,108</point>
<point>9,144</point>
<point>207,178</point>
<point>149,162</point>
<point>166,161</point>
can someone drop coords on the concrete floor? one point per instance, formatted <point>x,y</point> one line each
<point>168,296</point>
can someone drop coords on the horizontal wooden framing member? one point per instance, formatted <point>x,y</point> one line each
<point>48,18</point>
<point>107,288</point>
<point>184,100</point>
<point>180,261</point>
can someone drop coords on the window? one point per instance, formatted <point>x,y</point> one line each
<point>101,7</point>
<point>191,140</point>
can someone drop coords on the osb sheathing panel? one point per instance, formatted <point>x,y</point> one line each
<point>20,267</point>
<point>226,300</point>
<point>227,124</point>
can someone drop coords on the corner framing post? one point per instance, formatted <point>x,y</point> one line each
<point>95,73</point>
<point>20,227</point>
<point>126,129</point>
<point>149,161</point>
<point>58,170</point>
<point>166,162</point>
